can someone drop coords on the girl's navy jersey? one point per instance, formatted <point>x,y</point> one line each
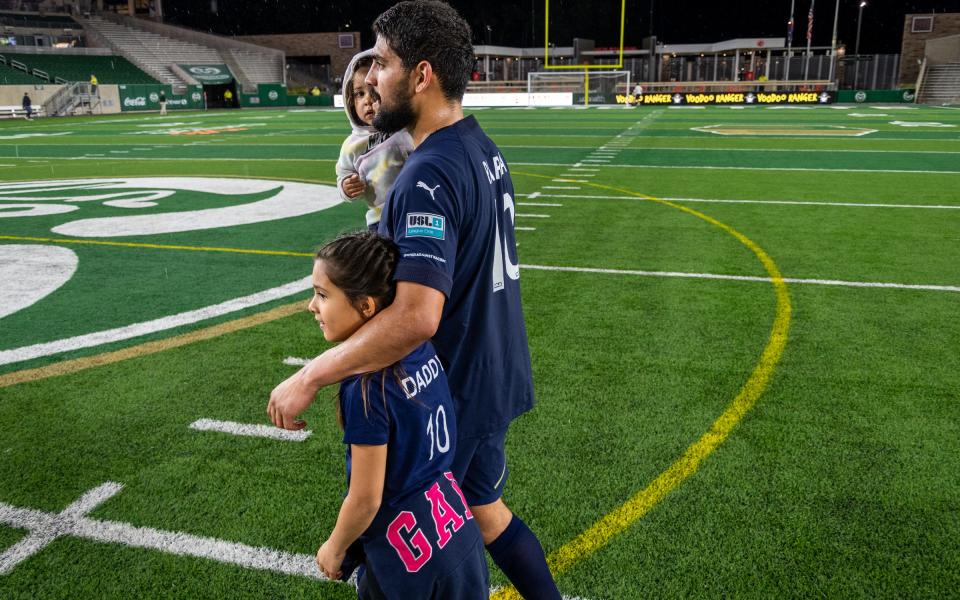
<point>424,529</point>
<point>451,213</point>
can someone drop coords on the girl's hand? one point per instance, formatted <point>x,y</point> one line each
<point>353,186</point>
<point>329,561</point>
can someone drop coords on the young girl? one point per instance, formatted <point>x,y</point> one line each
<point>369,161</point>
<point>403,506</point>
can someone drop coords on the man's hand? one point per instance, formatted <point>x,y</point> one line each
<point>329,561</point>
<point>288,400</point>
<point>353,186</point>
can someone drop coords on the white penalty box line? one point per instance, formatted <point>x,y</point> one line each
<point>46,527</point>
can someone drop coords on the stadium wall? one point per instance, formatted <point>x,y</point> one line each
<point>12,95</point>
<point>914,45</point>
<point>296,45</point>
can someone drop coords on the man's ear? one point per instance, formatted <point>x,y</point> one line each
<point>423,76</point>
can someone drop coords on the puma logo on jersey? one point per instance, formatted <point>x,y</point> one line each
<point>421,184</point>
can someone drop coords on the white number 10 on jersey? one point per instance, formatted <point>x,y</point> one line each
<point>502,267</point>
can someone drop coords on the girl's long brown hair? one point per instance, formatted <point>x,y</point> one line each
<point>362,265</point>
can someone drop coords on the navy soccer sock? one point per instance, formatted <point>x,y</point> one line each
<point>519,555</point>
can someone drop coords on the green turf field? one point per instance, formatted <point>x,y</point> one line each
<point>743,325</point>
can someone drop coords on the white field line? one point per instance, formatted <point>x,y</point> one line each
<point>242,429</point>
<point>539,203</point>
<point>532,196</point>
<point>693,149</point>
<point>525,228</point>
<point>496,588</point>
<point>293,361</point>
<point>788,202</point>
<point>532,216</point>
<point>561,187</point>
<point>50,528</point>
<point>44,525</point>
<point>678,274</point>
<point>146,327</point>
<point>714,168</point>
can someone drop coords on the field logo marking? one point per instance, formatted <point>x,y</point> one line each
<point>32,272</point>
<point>621,518</point>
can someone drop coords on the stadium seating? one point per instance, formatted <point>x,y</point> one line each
<point>37,21</point>
<point>154,53</point>
<point>12,76</point>
<point>108,69</point>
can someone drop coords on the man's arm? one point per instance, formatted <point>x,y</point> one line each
<point>411,320</point>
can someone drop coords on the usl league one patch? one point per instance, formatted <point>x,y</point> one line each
<point>425,225</point>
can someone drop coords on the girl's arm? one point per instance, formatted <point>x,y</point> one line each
<point>359,507</point>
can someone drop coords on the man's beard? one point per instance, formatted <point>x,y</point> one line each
<point>392,120</point>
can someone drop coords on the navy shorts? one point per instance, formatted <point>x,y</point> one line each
<point>469,581</point>
<point>480,465</point>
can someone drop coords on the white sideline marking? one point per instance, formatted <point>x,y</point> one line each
<point>296,362</point>
<point>45,528</point>
<point>714,168</point>
<point>791,202</point>
<point>834,282</point>
<point>561,187</point>
<point>265,431</point>
<point>533,195</point>
<point>525,228</point>
<point>72,522</point>
<point>533,216</point>
<point>146,327</point>
<point>538,204</point>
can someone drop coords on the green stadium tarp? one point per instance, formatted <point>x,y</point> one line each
<point>268,94</point>
<point>862,96</point>
<point>147,97</point>
<point>209,74</point>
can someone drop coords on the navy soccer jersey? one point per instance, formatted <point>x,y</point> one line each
<point>424,529</point>
<point>451,213</point>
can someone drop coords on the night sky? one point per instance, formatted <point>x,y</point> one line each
<point>521,23</point>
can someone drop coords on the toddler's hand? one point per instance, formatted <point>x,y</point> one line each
<point>353,186</point>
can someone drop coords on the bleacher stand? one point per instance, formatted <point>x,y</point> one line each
<point>109,69</point>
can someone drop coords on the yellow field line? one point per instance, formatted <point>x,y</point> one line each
<point>19,238</point>
<point>618,520</point>
<point>79,364</point>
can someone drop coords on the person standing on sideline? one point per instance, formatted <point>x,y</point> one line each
<point>228,99</point>
<point>163,103</point>
<point>28,106</point>
<point>93,85</point>
<point>451,214</point>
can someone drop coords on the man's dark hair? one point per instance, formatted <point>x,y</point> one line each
<point>432,31</point>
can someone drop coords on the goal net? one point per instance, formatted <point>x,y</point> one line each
<point>593,87</point>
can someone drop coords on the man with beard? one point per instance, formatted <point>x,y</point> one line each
<point>451,213</point>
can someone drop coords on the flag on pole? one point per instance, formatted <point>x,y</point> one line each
<point>790,30</point>
<point>810,23</point>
